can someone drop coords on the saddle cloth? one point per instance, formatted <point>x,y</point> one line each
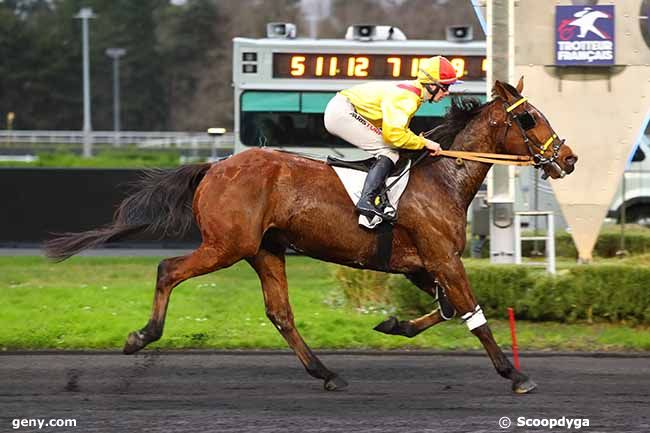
<point>353,175</point>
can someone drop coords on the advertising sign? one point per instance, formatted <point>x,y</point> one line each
<point>584,35</point>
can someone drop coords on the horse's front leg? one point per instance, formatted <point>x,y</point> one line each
<point>451,274</point>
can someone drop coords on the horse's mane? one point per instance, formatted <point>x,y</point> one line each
<point>461,111</point>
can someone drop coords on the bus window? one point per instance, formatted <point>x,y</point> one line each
<point>286,129</point>
<point>295,119</point>
<point>639,155</point>
<point>302,130</point>
<point>285,119</point>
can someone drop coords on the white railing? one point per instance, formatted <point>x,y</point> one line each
<point>549,239</point>
<point>151,140</point>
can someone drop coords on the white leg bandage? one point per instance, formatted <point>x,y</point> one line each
<point>474,319</point>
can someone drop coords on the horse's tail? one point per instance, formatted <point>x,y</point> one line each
<point>162,205</point>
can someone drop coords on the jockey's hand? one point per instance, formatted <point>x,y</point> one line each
<point>433,147</point>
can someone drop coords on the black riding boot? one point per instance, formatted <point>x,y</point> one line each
<point>374,182</point>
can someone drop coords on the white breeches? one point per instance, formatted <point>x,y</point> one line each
<point>343,121</point>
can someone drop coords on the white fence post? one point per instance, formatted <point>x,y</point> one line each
<point>517,239</point>
<point>549,239</point>
<point>550,243</point>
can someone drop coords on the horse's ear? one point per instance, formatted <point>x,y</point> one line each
<point>499,91</point>
<point>520,85</point>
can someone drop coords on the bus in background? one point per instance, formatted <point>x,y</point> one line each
<point>634,188</point>
<point>282,85</point>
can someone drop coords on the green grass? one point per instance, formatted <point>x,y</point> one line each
<point>94,303</point>
<point>126,157</point>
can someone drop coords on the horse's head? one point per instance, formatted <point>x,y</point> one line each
<point>524,130</point>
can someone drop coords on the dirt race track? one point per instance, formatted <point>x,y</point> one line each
<point>262,392</point>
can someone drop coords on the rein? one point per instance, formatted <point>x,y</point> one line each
<point>489,158</point>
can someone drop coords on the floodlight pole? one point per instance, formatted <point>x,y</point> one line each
<point>84,15</point>
<point>115,54</point>
<point>501,180</point>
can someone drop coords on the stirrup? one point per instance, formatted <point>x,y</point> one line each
<point>372,210</point>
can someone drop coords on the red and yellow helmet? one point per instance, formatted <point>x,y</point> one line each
<point>436,70</point>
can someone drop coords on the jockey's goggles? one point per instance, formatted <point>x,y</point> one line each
<point>443,87</point>
<point>434,88</point>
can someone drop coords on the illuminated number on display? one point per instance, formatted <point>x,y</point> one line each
<point>334,63</point>
<point>358,66</point>
<point>319,66</point>
<point>397,65</point>
<point>415,65</point>
<point>484,65</point>
<point>361,68</point>
<point>351,66</point>
<point>459,66</point>
<point>297,66</point>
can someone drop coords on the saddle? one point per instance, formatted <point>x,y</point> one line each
<point>365,164</point>
<point>353,175</point>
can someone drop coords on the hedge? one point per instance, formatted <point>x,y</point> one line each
<point>637,241</point>
<point>615,293</point>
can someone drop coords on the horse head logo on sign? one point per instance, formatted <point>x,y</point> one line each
<point>584,35</point>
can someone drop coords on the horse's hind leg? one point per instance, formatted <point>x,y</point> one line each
<point>411,328</point>
<point>172,272</point>
<point>270,267</point>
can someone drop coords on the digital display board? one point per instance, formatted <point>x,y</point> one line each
<point>367,66</point>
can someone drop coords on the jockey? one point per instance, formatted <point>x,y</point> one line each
<point>375,117</point>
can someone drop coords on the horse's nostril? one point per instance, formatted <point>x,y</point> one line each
<point>571,159</point>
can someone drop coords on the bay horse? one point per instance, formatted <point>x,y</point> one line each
<point>254,205</point>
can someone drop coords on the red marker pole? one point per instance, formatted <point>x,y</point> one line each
<point>515,352</point>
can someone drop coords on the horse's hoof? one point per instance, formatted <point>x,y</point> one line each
<point>524,387</point>
<point>388,326</point>
<point>336,383</point>
<point>134,342</point>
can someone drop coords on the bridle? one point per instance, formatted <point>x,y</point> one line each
<point>525,122</point>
